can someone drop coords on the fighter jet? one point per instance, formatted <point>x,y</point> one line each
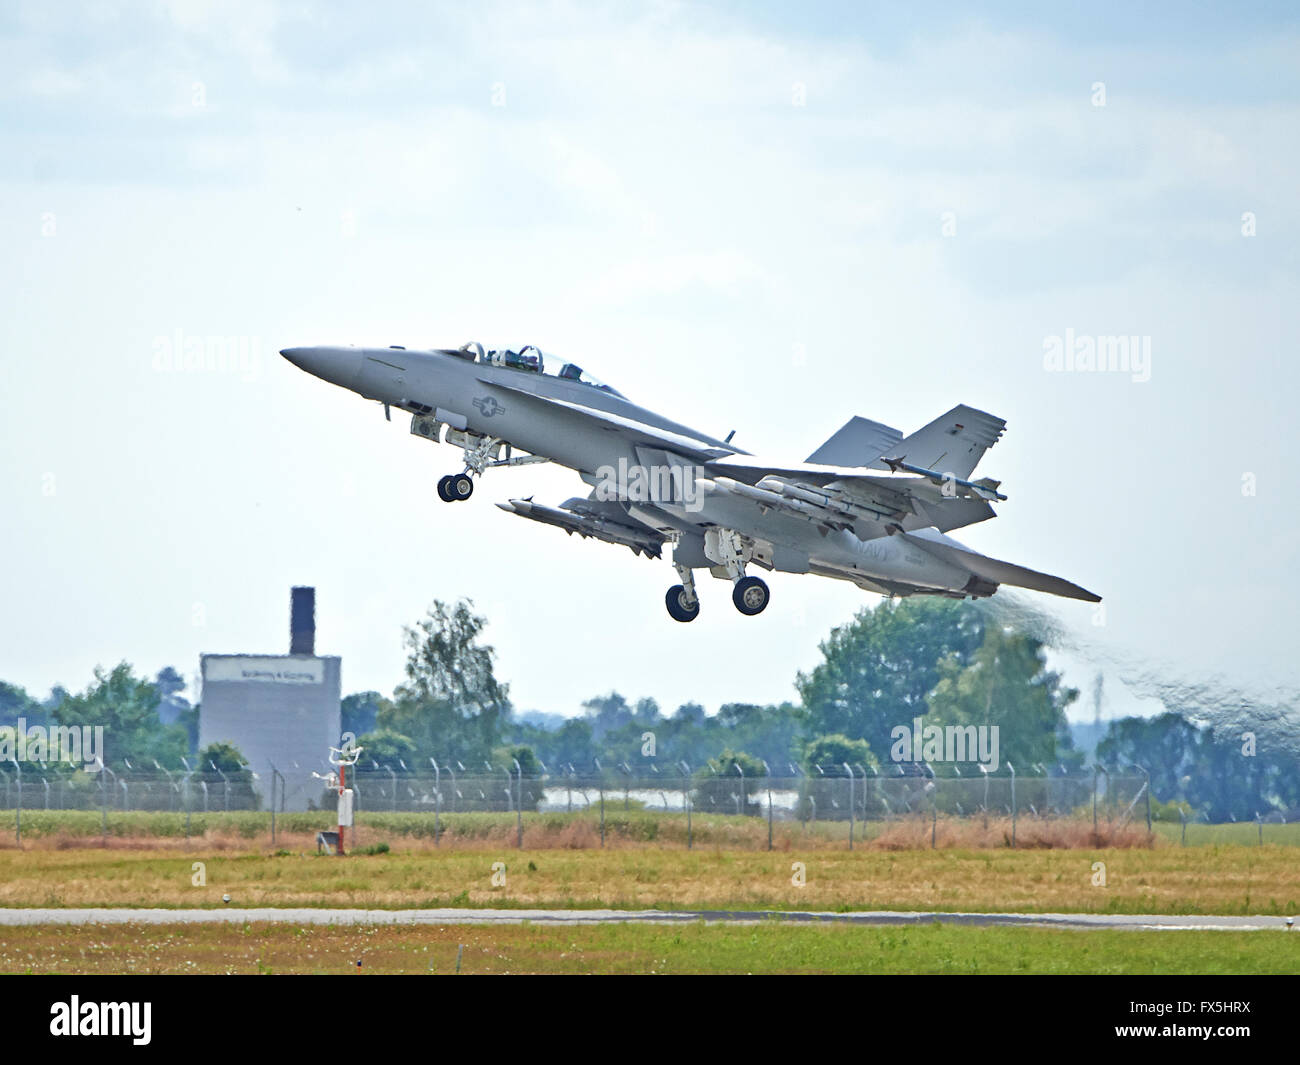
<point>870,505</point>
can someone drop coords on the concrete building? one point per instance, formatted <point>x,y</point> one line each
<point>280,710</point>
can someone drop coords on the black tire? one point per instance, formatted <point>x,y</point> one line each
<point>444,492</point>
<point>750,595</point>
<point>676,608</point>
<point>460,487</point>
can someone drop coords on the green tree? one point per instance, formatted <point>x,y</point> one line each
<point>359,712</point>
<point>451,704</point>
<point>833,751</point>
<point>16,703</point>
<point>225,757</point>
<point>1006,683</point>
<point>1167,746</point>
<point>386,747</point>
<point>878,670</point>
<point>224,766</point>
<point>127,708</point>
<point>720,786</point>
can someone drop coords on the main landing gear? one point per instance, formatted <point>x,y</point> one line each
<point>682,602</point>
<point>750,594</point>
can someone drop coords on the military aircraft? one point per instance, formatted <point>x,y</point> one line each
<point>870,505</point>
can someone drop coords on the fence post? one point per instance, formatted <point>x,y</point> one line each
<point>1183,818</point>
<point>849,769</point>
<point>1094,798</point>
<point>103,801</point>
<point>602,813</point>
<point>686,799</point>
<point>1258,820</point>
<point>19,811</point>
<point>1012,770</point>
<point>519,806</point>
<point>769,818</point>
<point>274,774</point>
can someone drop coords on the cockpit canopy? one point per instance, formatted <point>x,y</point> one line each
<point>532,359</point>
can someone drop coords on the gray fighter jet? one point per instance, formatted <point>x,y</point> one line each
<point>871,505</point>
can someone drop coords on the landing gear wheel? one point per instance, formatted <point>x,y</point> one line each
<point>676,608</point>
<point>444,491</point>
<point>460,487</point>
<point>750,595</point>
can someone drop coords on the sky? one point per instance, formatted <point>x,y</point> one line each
<point>766,218</point>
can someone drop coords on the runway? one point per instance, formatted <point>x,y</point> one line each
<point>317,916</point>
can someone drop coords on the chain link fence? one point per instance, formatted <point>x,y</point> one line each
<point>869,799</point>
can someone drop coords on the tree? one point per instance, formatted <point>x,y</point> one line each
<point>721,787</point>
<point>608,713</point>
<point>386,747</point>
<point>15,703</point>
<point>878,670</point>
<point>826,784</point>
<point>451,704</point>
<point>359,712</point>
<point>224,765</point>
<point>223,757</point>
<point>833,751</point>
<point>127,708</point>
<point>1006,684</point>
<point>1167,746</point>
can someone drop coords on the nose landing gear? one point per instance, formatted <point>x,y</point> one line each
<point>455,487</point>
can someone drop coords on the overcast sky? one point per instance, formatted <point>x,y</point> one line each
<point>756,218</point>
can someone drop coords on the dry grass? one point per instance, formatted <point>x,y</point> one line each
<point>240,831</point>
<point>1227,880</point>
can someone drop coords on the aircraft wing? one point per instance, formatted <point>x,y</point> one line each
<point>996,570</point>
<point>856,498</point>
<point>634,431</point>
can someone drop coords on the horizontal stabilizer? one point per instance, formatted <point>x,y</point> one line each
<point>953,443</point>
<point>859,443</point>
<point>992,569</point>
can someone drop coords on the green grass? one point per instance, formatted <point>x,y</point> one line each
<point>630,949</point>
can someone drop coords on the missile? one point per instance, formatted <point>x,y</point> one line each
<point>850,508</point>
<point>811,511</point>
<point>985,488</point>
<point>587,525</point>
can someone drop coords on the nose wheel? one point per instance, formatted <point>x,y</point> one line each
<point>455,487</point>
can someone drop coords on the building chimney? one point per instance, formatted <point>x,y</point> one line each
<point>302,621</point>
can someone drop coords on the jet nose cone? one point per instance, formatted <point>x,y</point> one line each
<point>339,366</point>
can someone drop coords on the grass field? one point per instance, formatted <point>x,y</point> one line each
<point>145,860</point>
<point>610,949</point>
<point>1201,880</point>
